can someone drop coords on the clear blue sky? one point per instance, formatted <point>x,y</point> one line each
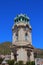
<point>33,8</point>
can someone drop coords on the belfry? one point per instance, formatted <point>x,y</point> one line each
<point>22,49</point>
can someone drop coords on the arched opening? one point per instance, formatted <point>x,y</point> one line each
<point>26,36</point>
<point>17,36</point>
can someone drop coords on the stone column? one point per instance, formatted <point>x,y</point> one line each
<point>32,56</point>
<point>12,56</point>
<point>13,38</point>
<point>29,38</point>
<point>21,35</point>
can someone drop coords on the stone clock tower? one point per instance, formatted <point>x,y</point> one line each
<point>22,49</point>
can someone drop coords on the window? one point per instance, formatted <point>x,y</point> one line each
<point>20,18</point>
<point>17,20</point>
<point>26,36</point>
<point>26,28</point>
<point>17,36</point>
<point>23,19</point>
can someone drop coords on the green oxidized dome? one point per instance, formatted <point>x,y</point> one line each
<point>21,18</point>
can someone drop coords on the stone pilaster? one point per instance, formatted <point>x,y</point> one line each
<point>12,56</point>
<point>32,56</point>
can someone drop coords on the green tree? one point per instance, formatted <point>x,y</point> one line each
<point>1,60</point>
<point>11,62</point>
<point>30,63</point>
<point>20,63</point>
<point>16,63</point>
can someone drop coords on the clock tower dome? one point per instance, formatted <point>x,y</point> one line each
<point>21,39</point>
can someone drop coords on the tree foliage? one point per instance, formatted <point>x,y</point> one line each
<point>10,62</point>
<point>1,60</point>
<point>20,63</point>
<point>30,63</point>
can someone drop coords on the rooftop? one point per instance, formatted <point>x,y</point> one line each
<point>21,17</point>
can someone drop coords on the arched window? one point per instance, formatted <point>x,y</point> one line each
<point>17,20</point>
<point>21,19</point>
<point>26,36</point>
<point>17,36</point>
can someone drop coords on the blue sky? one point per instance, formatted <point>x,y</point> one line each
<point>32,8</point>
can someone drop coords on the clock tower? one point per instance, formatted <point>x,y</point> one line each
<point>22,49</point>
